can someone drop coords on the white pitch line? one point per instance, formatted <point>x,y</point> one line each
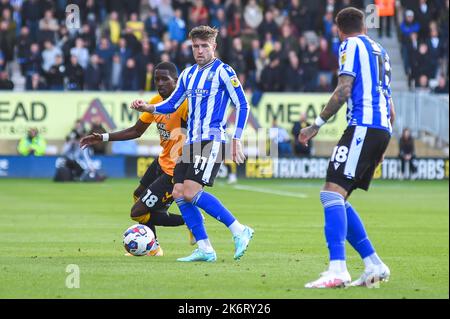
<point>272,192</point>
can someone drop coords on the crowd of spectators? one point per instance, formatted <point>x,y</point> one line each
<point>287,45</point>
<point>274,45</point>
<point>424,43</point>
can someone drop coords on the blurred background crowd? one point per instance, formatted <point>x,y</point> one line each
<point>274,46</point>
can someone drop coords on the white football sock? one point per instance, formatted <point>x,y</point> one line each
<point>372,260</point>
<point>337,266</point>
<point>236,228</point>
<point>205,245</point>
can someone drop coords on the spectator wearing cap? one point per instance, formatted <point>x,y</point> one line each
<point>407,27</point>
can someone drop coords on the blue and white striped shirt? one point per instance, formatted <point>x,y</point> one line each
<point>208,90</point>
<point>368,63</point>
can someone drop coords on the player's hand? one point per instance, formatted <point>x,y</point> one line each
<point>236,152</point>
<point>91,139</point>
<point>142,106</point>
<point>307,133</point>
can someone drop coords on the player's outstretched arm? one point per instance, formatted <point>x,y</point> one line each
<point>128,134</point>
<point>142,106</point>
<point>339,97</point>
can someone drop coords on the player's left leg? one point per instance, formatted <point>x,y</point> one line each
<point>191,214</point>
<point>202,173</point>
<point>375,269</point>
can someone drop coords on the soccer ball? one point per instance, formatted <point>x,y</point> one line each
<point>139,240</point>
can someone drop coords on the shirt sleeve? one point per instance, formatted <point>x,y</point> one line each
<point>237,95</point>
<point>177,97</point>
<point>347,55</point>
<point>184,110</point>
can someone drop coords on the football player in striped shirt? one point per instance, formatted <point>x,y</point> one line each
<point>209,85</point>
<point>364,83</point>
<point>153,196</point>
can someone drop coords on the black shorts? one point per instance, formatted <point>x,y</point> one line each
<point>200,162</point>
<point>356,156</point>
<point>159,185</point>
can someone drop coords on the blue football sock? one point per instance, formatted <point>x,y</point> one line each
<point>193,218</point>
<point>210,204</point>
<point>356,234</point>
<point>335,223</point>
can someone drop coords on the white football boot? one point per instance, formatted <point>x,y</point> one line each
<point>331,279</point>
<point>372,276</point>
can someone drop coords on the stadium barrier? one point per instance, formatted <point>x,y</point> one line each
<point>281,168</point>
<point>422,112</point>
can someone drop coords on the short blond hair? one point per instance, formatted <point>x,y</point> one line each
<point>204,32</point>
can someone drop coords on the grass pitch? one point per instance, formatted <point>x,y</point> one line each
<point>44,227</point>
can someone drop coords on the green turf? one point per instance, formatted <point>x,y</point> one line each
<point>44,227</point>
